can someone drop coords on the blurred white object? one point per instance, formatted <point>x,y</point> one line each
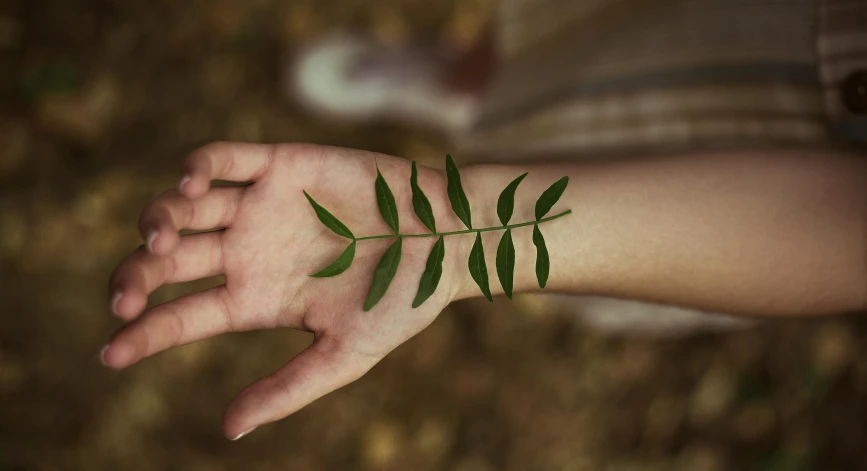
<point>354,78</point>
<point>620,316</point>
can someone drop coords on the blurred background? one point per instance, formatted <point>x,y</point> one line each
<point>100,100</point>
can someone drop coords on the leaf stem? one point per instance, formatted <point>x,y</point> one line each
<point>468,231</point>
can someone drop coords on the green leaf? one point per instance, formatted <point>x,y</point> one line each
<point>387,205</point>
<point>420,203</point>
<point>506,203</point>
<point>384,273</point>
<point>550,196</point>
<point>329,220</point>
<point>506,262</point>
<point>478,268</point>
<point>543,263</point>
<point>432,272</point>
<point>457,197</point>
<point>340,265</point>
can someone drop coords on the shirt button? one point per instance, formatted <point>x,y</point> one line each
<point>855,91</point>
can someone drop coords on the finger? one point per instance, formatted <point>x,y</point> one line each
<point>179,322</point>
<point>315,372</point>
<point>233,161</point>
<point>170,212</point>
<point>198,256</point>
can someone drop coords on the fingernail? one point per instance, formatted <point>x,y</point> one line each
<point>152,236</point>
<point>184,181</point>
<point>238,437</point>
<point>102,354</point>
<point>114,300</point>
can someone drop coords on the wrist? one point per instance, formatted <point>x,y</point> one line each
<point>483,184</point>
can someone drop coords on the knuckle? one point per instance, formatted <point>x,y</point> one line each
<point>282,385</point>
<point>163,198</point>
<point>170,268</point>
<point>290,154</point>
<point>176,329</point>
<point>163,209</point>
<point>208,149</point>
<point>146,219</point>
<point>153,207</point>
<point>169,194</point>
<point>222,296</point>
<point>229,206</point>
<point>125,268</point>
<point>213,145</point>
<point>164,329</point>
<point>216,253</point>
<point>200,155</point>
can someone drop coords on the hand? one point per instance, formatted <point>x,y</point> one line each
<point>271,242</point>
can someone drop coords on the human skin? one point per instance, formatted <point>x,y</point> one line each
<point>775,233</point>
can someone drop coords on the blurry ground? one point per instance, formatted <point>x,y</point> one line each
<point>100,100</point>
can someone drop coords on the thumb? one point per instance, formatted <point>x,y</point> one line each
<point>318,370</point>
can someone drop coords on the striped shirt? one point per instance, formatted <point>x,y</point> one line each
<point>602,77</point>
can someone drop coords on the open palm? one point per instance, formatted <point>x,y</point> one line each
<point>272,241</point>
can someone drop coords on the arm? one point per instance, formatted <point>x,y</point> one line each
<point>768,233</point>
<point>758,232</point>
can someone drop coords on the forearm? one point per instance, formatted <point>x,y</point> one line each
<point>775,233</point>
